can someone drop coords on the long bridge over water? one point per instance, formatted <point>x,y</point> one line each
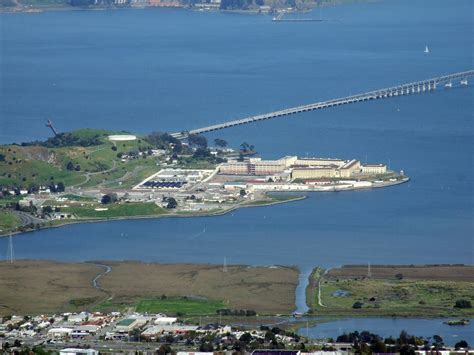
<point>417,87</point>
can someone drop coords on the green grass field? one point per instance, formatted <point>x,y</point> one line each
<point>173,306</point>
<point>8,220</point>
<point>274,198</point>
<point>115,210</point>
<point>393,297</point>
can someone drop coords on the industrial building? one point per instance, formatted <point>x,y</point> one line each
<point>373,169</point>
<point>173,179</point>
<point>301,168</point>
<point>257,166</point>
<point>325,168</point>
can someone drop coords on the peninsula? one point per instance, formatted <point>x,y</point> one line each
<point>94,175</point>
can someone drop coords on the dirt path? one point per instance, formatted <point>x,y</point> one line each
<point>89,175</point>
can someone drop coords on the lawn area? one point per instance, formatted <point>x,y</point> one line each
<point>185,306</point>
<point>387,297</point>
<point>125,175</point>
<point>8,220</point>
<point>273,198</point>
<point>116,210</point>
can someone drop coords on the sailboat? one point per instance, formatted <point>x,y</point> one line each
<point>427,50</point>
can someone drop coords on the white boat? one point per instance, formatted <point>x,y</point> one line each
<point>448,85</point>
<point>427,50</point>
<point>464,82</point>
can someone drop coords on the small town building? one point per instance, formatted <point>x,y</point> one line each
<point>165,320</point>
<point>128,324</point>
<point>59,333</point>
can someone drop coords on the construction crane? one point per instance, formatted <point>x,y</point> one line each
<point>50,125</point>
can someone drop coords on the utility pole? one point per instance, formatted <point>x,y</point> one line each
<point>369,271</point>
<point>10,252</point>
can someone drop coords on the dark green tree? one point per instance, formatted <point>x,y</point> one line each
<point>172,203</point>
<point>60,187</point>
<point>70,166</point>
<point>197,141</point>
<point>463,303</point>
<point>220,143</point>
<point>461,344</point>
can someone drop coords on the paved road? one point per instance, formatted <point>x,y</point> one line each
<point>26,218</point>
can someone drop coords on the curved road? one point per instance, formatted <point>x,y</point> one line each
<point>26,218</point>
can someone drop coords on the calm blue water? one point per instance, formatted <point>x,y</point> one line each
<point>172,70</point>
<point>392,327</point>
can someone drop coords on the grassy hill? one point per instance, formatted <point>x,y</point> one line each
<point>84,157</point>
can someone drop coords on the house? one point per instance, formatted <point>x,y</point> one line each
<point>60,333</point>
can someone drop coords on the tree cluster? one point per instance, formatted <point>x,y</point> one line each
<point>68,139</point>
<point>236,312</point>
<point>109,198</point>
<point>197,141</point>
<point>162,140</point>
<point>366,343</point>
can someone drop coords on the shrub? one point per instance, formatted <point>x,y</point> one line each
<point>463,304</point>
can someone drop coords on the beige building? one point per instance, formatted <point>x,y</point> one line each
<point>374,169</point>
<point>317,171</point>
<point>350,168</point>
<point>314,172</point>
<point>235,168</point>
<point>301,168</point>
<point>319,161</point>
<point>257,166</point>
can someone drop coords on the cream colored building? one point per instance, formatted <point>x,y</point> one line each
<point>317,171</point>
<point>314,172</point>
<point>257,166</point>
<point>319,161</point>
<point>301,168</point>
<point>350,168</point>
<point>235,168</point>
<point>374,169</point>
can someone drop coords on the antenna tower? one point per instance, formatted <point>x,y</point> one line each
<point>225,265</point>
<point>10,252</point>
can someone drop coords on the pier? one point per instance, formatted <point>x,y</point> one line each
<point>417,87</point>
<point>280,18</point>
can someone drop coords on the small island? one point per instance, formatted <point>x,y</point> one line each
<point>94,175</point>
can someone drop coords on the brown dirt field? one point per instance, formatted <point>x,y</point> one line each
<point>265,290</point>
<point>426,272</point>
<point>33,287</point>
<point>29,287</point>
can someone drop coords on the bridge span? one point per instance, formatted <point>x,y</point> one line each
<point>405,89</point>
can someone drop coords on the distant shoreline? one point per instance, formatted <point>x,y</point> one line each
<point>41,9</point>
<point>191,215</point>
<point>207,214</point>
<point>48,8</point>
